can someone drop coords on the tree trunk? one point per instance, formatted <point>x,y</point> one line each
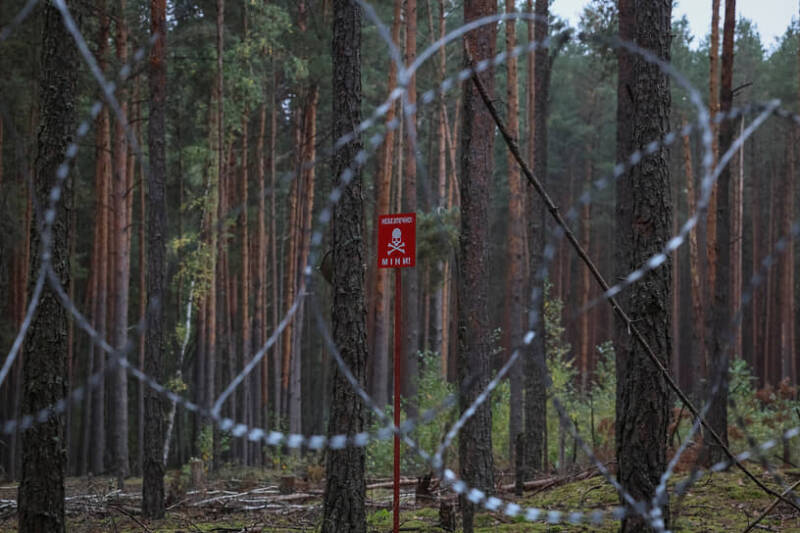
<point>142,314</point>
<point>713,109</point>
<point>585,286</point>
<point>41,489</point>
<point>718,371</point>
<point>411,294</point>
<point>698,337</point>
<point>276,406</point>
<point>122,265</point>
<point>786,271</point>
<point>535,446</point>
<point>643,225</point>
<point>304,219</point>
<point>260,279</point>
<point>97,444</point>
<point>153,471</point>
<point>293,224</point>
<point>474,332</point>
<point>737,238</point>
<point>345,489</point>
<point>247,340</point>
<point>515,273</point>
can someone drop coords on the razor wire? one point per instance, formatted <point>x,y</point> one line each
<point>119,356</point>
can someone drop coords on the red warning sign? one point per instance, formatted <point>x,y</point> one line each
<point>397,236</point>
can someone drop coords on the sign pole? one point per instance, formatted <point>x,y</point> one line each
<point>398,345</point>
<point>397,249</point>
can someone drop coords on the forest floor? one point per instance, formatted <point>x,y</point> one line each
<point>259,501</point>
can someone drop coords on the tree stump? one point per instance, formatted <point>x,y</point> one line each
<point>448,515</point>
<point>198,472</point>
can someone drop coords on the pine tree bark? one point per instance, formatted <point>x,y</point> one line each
<point>153,468</point>
<point>411,297</point>
<point>718,371</point>
<point>585,286</point>
<point>515,273</point>
<point>698,337</point>
<point>245,294</point>
<point>122,265</point>
<point>713,109</point>
<point>41,489</point>
<point>97,444</point>
<point>786,270</point>
<point>643,225</point>
<point>276,375</point>
<point>535,446</point>
<point>345,489</point>
<point>260,278</point>
<point>474,346</point>
<point>737,238</point>
<point>142,309</point>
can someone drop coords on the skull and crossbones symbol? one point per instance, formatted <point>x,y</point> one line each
<point>397,244</point>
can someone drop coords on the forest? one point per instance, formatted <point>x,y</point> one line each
<point>598,330</point>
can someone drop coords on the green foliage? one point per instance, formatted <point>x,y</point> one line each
<point>437,234</point>
<point>433,391</point>
<point>205,443</point>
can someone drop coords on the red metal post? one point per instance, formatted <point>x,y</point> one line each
<point>398,316</point>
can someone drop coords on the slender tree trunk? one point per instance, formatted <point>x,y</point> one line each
<point>535,395</point>
<point>142,313</point>
<point>276,406</point>
<point>153,471</point>
<point>411,296</point>
<point>260,310</point>
<point>122,264</point>
<point>474,349</point>
<point>786,271</point>
<point>737,238</point>
<point>757,353</point>
<point>698,337</point>
<point>643,225</point>
<point>585,286</point>
<point>41,489</point>
<point>293,224</point>
<point>769,300</point>
<point>345,489</point>
<point>718,412</point>
<point>713,108</point>
<point>305,211</point>
<point>515,273</point>
<point>245,298</point>
<point>97,445</point>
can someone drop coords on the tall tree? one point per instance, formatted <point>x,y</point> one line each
<point>97,444</point>
<point>411,292</point>
<point>122,263</point>
<point>345,489</point>
<point>474,345</point>
<point>535,395</point>
<point>41,490</point>
<point>643,225</point>
<point>153,468</point>
<point>718,370</point>
<point>515,273</point>
<point>698,342</point>
<point>713,108</point>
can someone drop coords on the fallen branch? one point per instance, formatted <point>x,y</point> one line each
<point>771,507</point>
<point>404,482</point>
<point>549,482</point>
